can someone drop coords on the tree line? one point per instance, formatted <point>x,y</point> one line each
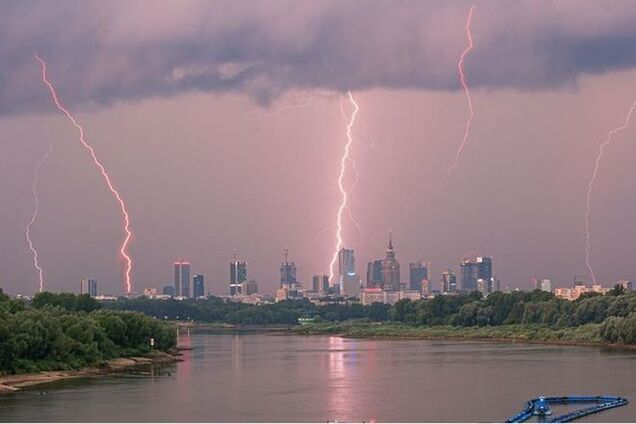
<point>217,310</point>
<point>616,311</point>
<point>66,331</point>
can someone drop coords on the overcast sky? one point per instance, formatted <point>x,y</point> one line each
<point>220,124</point>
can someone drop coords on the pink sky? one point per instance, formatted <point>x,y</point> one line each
<point>202,175</point>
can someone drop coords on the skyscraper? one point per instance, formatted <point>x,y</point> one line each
<point>484,268</point>
<point>468,275</point>
<point>287,272</point>
<point>198,286</point>
<point>418,272</point>
<point>320,283</point>
<point>449,282</point>
<point>182,279</point>
<point>347,275</point>
<point>238,276</point>
<point>391,268</point>
<point>88,286</point>
<point>374,274</point>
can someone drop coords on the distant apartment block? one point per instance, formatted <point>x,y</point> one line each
<point>88,286</point>
<point>377,295</point>
<point>573,293</point>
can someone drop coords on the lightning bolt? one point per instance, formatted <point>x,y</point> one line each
<point>462,79</point>
<point>34,216</point>
<point>341,187</point>
<point>123,250</point>
<point>590,187</point>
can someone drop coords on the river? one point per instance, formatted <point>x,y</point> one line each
<point>280,377</point>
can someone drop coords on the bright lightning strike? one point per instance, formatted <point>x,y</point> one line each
<point>462,79</point>
<point>590,187</point>
<point>343,191</point>
<point>123,250</point>
<point>34,216</point>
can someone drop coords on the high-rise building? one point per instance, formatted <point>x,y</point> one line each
<point>182,279</point>
<point>391,268</point>
<point>468,275</point>
<point>88,286</point>
<point>168,291</point>
<point>198,286</point>
<point>449,282</point>
<point>320,283</point>
<point>374,274</point>
<point>484,267</point>
<point>288,272</point>
<point>347,275</point>
<point>250,287</point>
<point>238,276</point>
<point>542,284</point>
<point>418,272</point>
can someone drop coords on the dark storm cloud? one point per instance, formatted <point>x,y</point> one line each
<point>101,52</point>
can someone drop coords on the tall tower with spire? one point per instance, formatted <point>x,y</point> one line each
<point>238,275</point>
<point>391,268</point>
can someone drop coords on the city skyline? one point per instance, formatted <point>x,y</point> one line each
<point>256,155</point>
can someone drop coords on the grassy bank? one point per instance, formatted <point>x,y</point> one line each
<point>588,334</point>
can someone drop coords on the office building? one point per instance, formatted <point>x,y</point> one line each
<point>347,276</point>
<point>288,272</point>
<point>374,274</point>
<point>250,287</point>
<point>182,279</point>
<point>168,291</point>
<point>88,286</point>
<point>238,276</point>
<point>449,282</point>
<point>320,283</point>
<point>484,267</point>
<point>418,272</point>
<point>198,286</point>
<point>390,268</point>
<point>468,275</point>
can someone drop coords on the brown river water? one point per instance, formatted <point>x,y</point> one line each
<point>280,377</point>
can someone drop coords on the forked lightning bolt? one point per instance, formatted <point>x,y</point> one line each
<point>123,250</point>
<point>341,187</point>
<point>590,187</point>
<point>34,216</point>
<point>462,80</point>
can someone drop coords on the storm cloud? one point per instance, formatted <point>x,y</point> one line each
<point>102,52</point>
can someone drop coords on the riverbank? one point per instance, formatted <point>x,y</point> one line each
<point>15,382</point>
<point>584,335</point>
<point>214,327</point>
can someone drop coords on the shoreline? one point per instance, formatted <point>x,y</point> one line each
<point>524,334</point>
<point>613,346</point>
<point>15,382</point>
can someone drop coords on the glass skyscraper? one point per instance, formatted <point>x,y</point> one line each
<point>182,279</point>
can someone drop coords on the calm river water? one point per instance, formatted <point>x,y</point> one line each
<point>266,377</point>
